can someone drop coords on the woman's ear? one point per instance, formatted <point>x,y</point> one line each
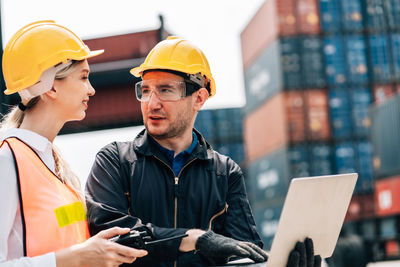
<point>52,93</point>
<point>200,98</point>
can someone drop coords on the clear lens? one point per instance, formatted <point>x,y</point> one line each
<point>165,90</point>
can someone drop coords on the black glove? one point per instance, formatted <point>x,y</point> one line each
<point>303,255</point>
<point>214,246</point>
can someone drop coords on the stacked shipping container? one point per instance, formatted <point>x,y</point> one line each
<point>312,70</point>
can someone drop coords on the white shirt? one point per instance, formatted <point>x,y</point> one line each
<point>11,236</point>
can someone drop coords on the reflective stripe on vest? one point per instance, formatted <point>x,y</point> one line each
<point>53,216</point>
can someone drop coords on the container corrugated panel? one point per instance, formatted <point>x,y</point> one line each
<point>352,17</point>
<point>340,113</point>
<point>395,54</point>
<point>205,124</point>
<point>296,116</point>
<point>299,161</point>
<point>388,227</point>
<point>382,92</point>
<point>228,124</point>
<point>321,159</point>
<point>234,150</point>
<point>361,207</point>
<point>312,63</point>
<point>268,176</point>
<point>368,229</point>
<point>361,100</point>
<point>330,15</point>
<point>379,55</point>
<point>287,17</point>
<point>345,157</point>
<point>335,63</point>
<point>385,137</point>
<point>375,15</point>
<point>261,31</point>
<point>291,62</point>
<point>308,17</point>
<point>267,219</point>
<point>263,78</point>
<point>265,129</point>
<point>387,196</point>
<point>392,11</point>
<point>318,126</point>
<point>356,59</point>
<point>365,170</point>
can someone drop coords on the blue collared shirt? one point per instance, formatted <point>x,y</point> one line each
<point>177,163</point>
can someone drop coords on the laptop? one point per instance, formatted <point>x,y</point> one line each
<point>314,207</point>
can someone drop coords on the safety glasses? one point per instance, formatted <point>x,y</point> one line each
<point>165,90</point>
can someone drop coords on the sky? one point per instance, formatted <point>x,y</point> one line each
<point>213,25</point>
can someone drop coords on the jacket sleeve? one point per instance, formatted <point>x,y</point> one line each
<point>108,205</point>
<point>239,222</point>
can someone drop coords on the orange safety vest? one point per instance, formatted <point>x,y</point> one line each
<point>52,213</point>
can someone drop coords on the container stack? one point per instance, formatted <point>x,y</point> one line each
<point>312,69</point>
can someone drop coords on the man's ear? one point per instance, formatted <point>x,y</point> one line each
<point>200,98</point>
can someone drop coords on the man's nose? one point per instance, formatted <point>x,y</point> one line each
<point>154,101</point>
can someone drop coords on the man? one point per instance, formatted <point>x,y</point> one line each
<point>169,181</point>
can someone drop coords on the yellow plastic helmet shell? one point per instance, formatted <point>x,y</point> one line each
<point>177,54</point>
<point>37,47</point>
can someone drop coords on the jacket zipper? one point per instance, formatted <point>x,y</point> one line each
<point>176,179</point>
<point>216,215</point>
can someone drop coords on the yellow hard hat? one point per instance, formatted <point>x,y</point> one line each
<point>37,47</point>
<point>179,55</point>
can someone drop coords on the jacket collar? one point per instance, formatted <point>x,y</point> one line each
<point>145,146</point>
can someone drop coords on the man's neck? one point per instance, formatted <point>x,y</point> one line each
<point>177,144</point>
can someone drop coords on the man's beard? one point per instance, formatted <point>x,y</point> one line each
<point>175,129</point>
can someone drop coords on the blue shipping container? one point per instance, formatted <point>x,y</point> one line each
<point>361,100</point>
<point>352,15</point>
<point>335,63</point>
<point>228,124</point>
<point>340,113</point>
<point>392,11</point>
<point>329,11</point>
<point>290,60</point>
<point>356,59</point>
<point>205,124</point>
<point>365,181</point>
<point>345,158</point>
<point>299,161</point>
<point>388,227</point>
<point>233,150</point>
<point>267,219</point>
<point>379,55</point>
<point>375,16</point>
<point>312,63</point>
<point>321,159</point>
<point>395,54</point>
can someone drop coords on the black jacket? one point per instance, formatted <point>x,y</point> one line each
<point>131,185</point>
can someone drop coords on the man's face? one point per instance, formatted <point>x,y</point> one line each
<point>166,119</point>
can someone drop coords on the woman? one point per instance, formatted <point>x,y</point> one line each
<point>43,221</point>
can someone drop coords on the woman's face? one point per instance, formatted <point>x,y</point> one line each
<point>73,93</point>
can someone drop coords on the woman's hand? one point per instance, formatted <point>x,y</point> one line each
<point>98,251</point>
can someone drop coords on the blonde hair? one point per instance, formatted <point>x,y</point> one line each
<point>14,118</point>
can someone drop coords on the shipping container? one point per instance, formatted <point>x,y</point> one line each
<point>205,124</point>
<point>361,99</point>
<point>299,161</point>
<point>335,63</point>
<point>365,182</point>
<point>312,64</point>
<point>385,137</point>
<point>387,196</point>
<point>368,230</point>
<point>375,15</point>
<point>229,124</point>
<point>291,62</point>
<point>265,129</point>
<point>268,176</point>
<point>361,207</point>
<point>296,116</point>
<point>263,78</point>
<point>345,157</point>
<point>388,228</point>
<point>340,113</point>
<point>330,15</point>
<point>352,18</point>
<point>392,12</point>
<point>259,33</point>
<point>286,17</point>
<point>234,150</point>
<point>382,92</point>
<point>356,59</point>
<point>379,54</point>
<point>318,127</point>
<point>321,159</point>
<point>394,39</point>
<point>308,17</point>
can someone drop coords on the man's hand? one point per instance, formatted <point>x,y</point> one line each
<point>303,255</point>
<point>215,246</point>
